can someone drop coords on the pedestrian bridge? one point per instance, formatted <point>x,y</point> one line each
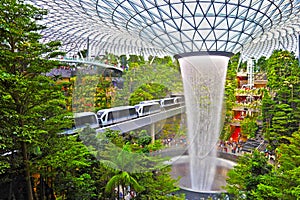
<point>88,62</point>
<point>91,67</point>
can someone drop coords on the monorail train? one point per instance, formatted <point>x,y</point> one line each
<point>81,120</point>
<point>84,118</point>
<point>123,113</point>
<point>166,101</point>
<point>116,115</point>
<point>149,108</point>
<point>110,116</point>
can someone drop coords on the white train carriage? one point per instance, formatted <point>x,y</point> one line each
<point>167,102</point>
<point>150,101</point>
<point>179,100</point>
<point>147,108</point>
<point>115,115</point>
<point>84,119</point>
<point>119,114</point>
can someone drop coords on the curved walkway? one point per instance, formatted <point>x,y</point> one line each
<point>89,62</point>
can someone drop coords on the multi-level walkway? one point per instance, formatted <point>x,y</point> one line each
<point>89,62</point>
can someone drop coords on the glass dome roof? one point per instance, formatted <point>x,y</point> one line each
<point>170,27</point>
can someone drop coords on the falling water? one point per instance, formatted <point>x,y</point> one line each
<point>203,79</point>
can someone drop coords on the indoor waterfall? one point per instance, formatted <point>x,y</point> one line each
<point>204,80</point>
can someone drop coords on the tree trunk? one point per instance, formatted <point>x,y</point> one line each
<point>27,172</point>
<point>10,194</point>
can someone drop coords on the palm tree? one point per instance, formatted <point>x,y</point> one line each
<point>124,164</point>
<point>122,179</point>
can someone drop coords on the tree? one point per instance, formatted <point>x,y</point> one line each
<point>261,64</point>
<point>281,104</point>
<point>159,185</point>
<point>289,170</point>
<point>144,139</point>
<point>116,158</point>
<point>283,182</point>
<point>123,61</point>
<point>230,86</point>
<point>124,164</point>
<point>249,127</point>
<point>30,101</point>
<point>121,180</point>
<point>66,165</point>
<point>280,65</point>
<point>147,79</point>
<point>253,177</point>
<point>135,60</point>
<point>148,91</point>
<point>245,178</point>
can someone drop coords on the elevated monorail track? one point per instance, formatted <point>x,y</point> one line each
<point>137,123</point>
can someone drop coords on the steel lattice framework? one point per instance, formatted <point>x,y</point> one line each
<point>170,27</point>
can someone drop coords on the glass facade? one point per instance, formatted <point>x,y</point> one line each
<point>170,27</point>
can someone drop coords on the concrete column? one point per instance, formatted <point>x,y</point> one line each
<point>152,129</point>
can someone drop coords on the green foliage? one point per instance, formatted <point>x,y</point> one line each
<point>134,61</point>
<point>33,107</point>
<point>144,139</point>
<point>90,93</point>
<point>253,177</point>
<point>167,60</point>
<point>67,158</point>
<point>282,182</point>
<point>249,127</point>
<point>156,146</point>
<point>148,91</point>
<point>281,65</point>
<point>158,185</point>
<point>111,59</point>
<point>230,86</point>
<point>20,50</point>
<point>261,64</point>
<point>145,81</point>
<point>281,104</point>
<point>123,178</point>
<point>77,188</point>
<point>226,132</point>
<point>289,160</point>
<point>246,176</point>
<point>123,60</point>
<point>114,137</point>
<point>125,164</point>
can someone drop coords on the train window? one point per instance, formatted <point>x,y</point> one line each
<point>110,116</point>
<point>168,101</point>
<point>147,108</point>
<point>132,111</point>
<point>156,107</point>
<point>79,121</point>
<point>115,114</point>
<point>122,113</point>
<point>85,119</point>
